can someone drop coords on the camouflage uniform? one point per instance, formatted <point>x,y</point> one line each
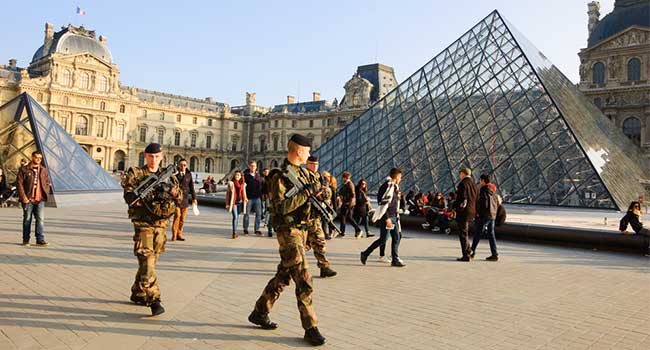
<point>150,221</point>
<point>289,219</point>
<point>315,233</point>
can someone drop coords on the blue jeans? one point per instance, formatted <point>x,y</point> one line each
<point>395,236</point>
<point>35,209</point>
<point>238,208</point>
<point>485,225</point>
<point>256,205</point>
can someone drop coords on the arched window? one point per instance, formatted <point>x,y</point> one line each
<point>177,138</point>
<point>632,129</point>
<point>162,115</point>
<point>141,159</point>
<point>67,78</point>
<point>599,73</point>
<point>103,84</point>
<point>177,158</point>
<point>634,69</point>
<point>274,164</point>
<point>210,122</point>
<point>208,165</point>
<point>233,164</point>
<point>193,137</point>
<point>262,143</point>
<point>39,97</point>
<point>122,109</point>
<point>102,106</point>
<point>82,126</point>
<point>275,142</point>
<point>85,81</point>
<point>194,164</point>
<point>143,134</point>
<point>161,135</point>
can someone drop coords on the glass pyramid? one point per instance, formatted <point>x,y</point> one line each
<point>492,102</point>
<point>25,127</point>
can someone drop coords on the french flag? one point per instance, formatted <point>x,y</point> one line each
<point>81,12</point>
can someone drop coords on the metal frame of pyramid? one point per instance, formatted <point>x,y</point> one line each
<point>492,102</point>
<point>25,127</point>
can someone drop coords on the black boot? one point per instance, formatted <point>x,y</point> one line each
<point>261,320</point>
<point>313,337</point>
<point>139,300</point>
<point>157,309</point>
<point>327,272</point>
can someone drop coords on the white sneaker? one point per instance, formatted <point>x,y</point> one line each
<point>383,259</point>
<point>425,226</point>
<point>436,229</point>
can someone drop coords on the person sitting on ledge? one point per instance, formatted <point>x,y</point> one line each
<point>633,218</point>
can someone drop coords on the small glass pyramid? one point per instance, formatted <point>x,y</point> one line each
<point>492,102</point>
<point>71,169</point>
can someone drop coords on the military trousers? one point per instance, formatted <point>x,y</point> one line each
<point>316,241</point>
<point>149,242</point>
<point>293,266</point>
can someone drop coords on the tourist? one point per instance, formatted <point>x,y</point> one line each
<point>362,206</point>
<point>465,208</point>
<point>33,184</point>
<point>348,202</point>
<point>186,183</point>
<point>254,194</point>
<point>633,218</point>
<point>486,209</point>
<point>388,216</point>
<point>265,201</point>
<point>236,199</point>
<point>327,198</point>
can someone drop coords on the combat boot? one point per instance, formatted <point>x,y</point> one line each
<point>157,308</point>
<point>313,337</point>
<point>139,300</point>
<point>262,320</point>
<point>327,272</point>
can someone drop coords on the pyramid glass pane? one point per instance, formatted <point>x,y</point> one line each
<point>25,127</point>
<point>492,102</point>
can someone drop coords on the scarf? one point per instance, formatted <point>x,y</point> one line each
<point>238,193</point>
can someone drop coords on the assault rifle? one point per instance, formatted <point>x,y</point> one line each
<point>153,181</point>
<point>326,212</point>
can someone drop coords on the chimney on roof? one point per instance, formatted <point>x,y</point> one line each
<point>316,96</point>
<point>47,40</point>
<point>103,40</point>
<point>12,64</point>
<point>290,99</point>
<point>593,12</point>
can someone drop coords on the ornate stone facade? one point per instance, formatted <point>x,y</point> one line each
<point>615,69</point>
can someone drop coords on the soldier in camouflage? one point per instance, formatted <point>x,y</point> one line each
<point>315,233</point>
<point>150,218</point>
<point>289,218</point>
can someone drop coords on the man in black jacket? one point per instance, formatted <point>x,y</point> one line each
<point>348,201</point>
<point>487,213</point>
<point>465,207</point>
<point>186,183</point>
<point>254,194</point>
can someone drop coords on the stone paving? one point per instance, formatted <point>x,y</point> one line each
<point>74,293</point>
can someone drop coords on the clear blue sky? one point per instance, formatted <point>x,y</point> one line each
<point>277,48</point>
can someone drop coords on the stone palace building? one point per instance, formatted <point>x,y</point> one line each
<point>75,78</point>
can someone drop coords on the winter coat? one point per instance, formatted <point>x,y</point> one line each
<point>487,204</point>
<point>466,196</point>
<point>230,199</point>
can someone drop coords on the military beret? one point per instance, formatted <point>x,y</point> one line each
<point>153,148</point>
<point>313,159</point>
<point>301,140</point>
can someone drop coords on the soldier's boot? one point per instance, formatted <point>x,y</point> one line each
<point>313,337</point>
<point>327,272</point>
<point>261,320</point>
<point>157,308</point>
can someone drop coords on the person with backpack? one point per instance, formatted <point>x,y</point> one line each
<point>486,210</point>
